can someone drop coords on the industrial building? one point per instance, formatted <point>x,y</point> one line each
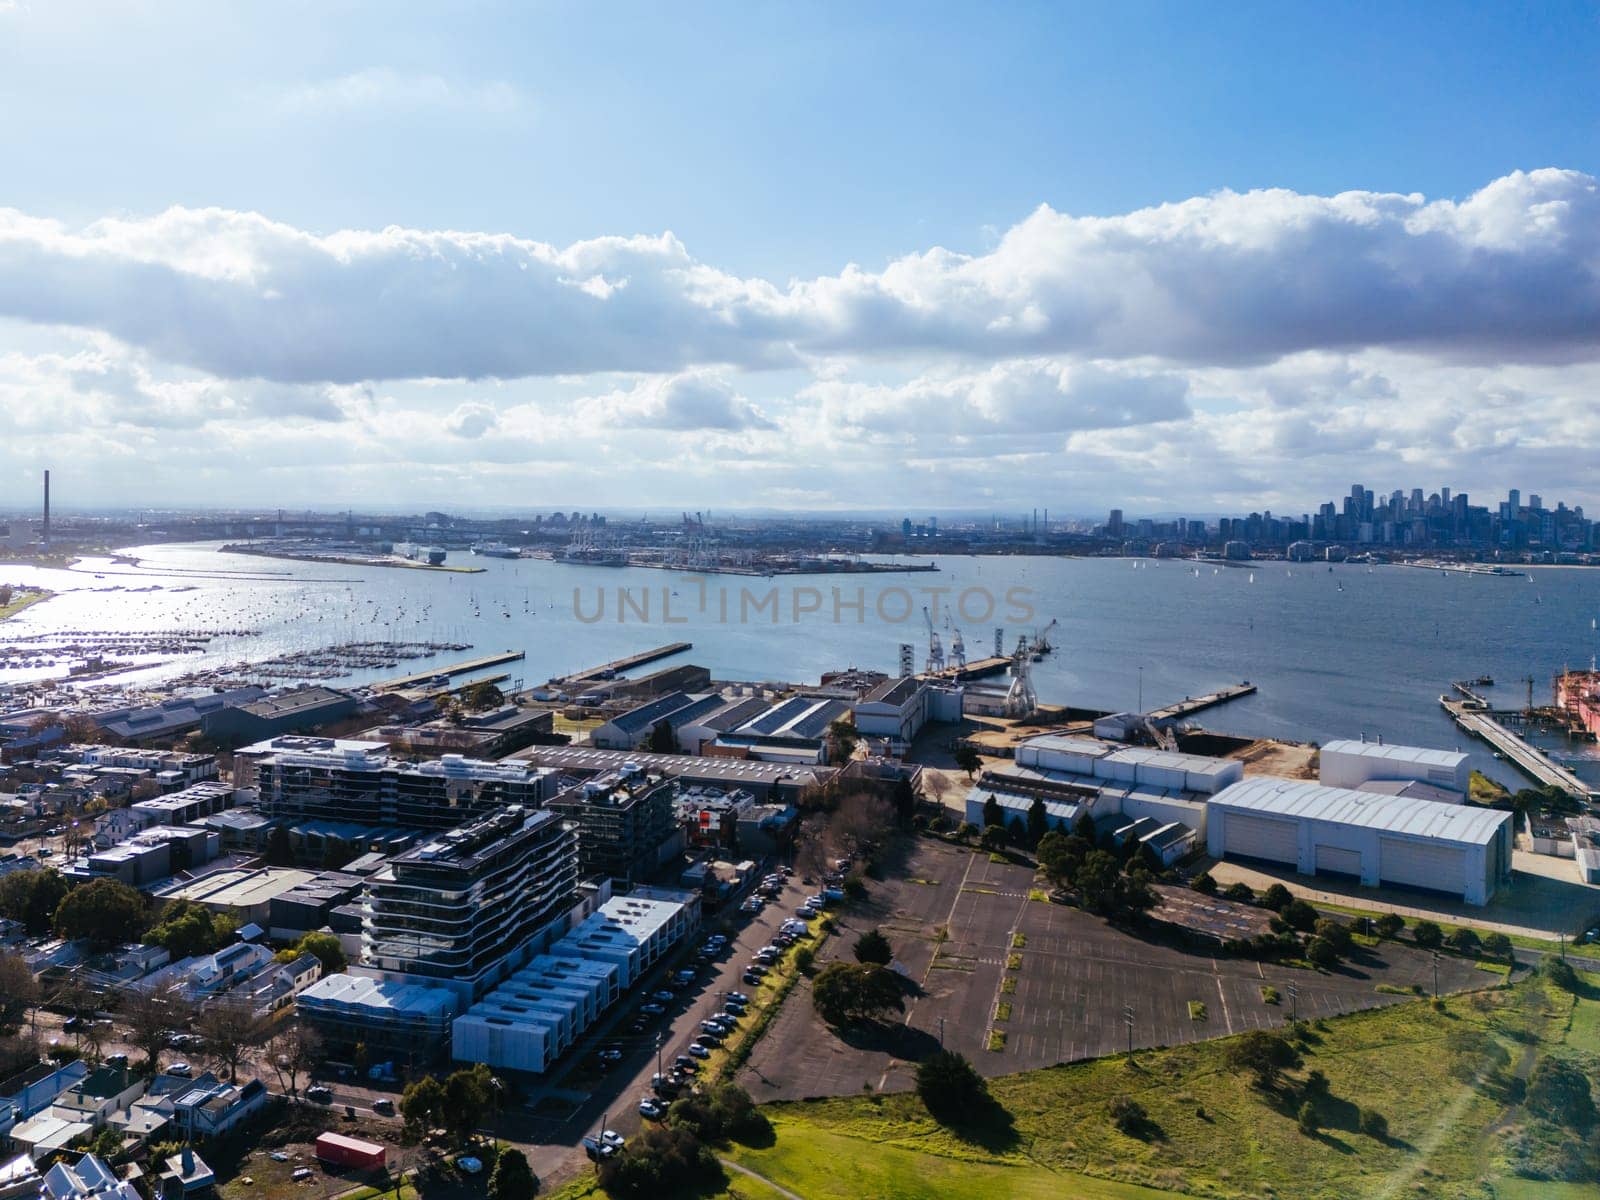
<point>186,806</point>
<point>159,722</point>
<point>766,781</point>
<point>155,854</point>
<point>457,907</point>
<point>632,729</point>
<point>624,823</point>
<point>245,894</point>
<point>284,712</point>
<point>407,1020</point>
<point>1378,839</point>
<point>1129,765</point>
<point>896,709</point>
<point>793,730</point>
<point>1352,764</point>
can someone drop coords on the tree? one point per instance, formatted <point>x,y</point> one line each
<point>512,1178</point>
<point>1276,897</point>
<point>230,1029</point>
<point>1498,945</point>
<point>1204,884</point>
<point>904,798</point>
<point>1038,821</point>
<point>1335,933</point>
<point>279,850</point>
<point>422,1105</point>
<point>19,992</point>
<point>1389,925</point>
<point>325,946</point>
<point>843,738</point>
<point>1307,1119</point>
<point>1561,973</point>
<point>1240,893</point>
<point>950,1087</point>
<point>1129,1116</point>
<point>846,993</point>
<point>1427,935</point>
<point>1463,941</point>
<point>803,958</point>
<point>32,897</point>
<point>1264,1055</point>
<point>1374,1124</point>
<point>1320,953</point>
<point>1560,1091</point>
<point>481,695</point>
<point>186,929</point>
<point>294,1051</point>
<point>469,1095</point>
<point>994,838</point>
<point>1083,827</point>
<point>968,759</point>
<point>103,912</point>
<point>873,947</point>
<point>1061,855</point>
<point>150,1015</point>
<point>662,1160</point>
<point>1299,915</point>
<point>662,739</point>
<point>993,814</point>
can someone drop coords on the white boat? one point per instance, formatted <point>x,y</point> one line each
<point>496,550</point>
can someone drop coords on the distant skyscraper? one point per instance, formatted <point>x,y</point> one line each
<point>1114,523</point>
<point>1535,502</point>
<point>1514,498</point>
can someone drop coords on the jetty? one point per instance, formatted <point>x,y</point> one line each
<point>451,671</point>
<point>618,665</point>
<point>1193,704</point>
<point>1480,722</point>
<point>980,668</point>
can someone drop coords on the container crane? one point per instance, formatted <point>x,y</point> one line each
<point>1020,700</point>
<point>935,648</point>
<point>958,651</point>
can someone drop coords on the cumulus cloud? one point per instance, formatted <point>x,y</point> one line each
<point>386,90</point>
<point>691,401</point>
<point>1510,274</point>
<point>472,420</point>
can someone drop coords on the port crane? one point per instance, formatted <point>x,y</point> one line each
<point>958,651</point>
<point>1041,640</point>
<point>1020,700</point>
<point>935,647</point>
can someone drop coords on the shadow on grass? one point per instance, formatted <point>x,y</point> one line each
<point>985,1124</point>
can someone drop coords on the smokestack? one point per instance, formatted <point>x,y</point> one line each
<point>44,534</point>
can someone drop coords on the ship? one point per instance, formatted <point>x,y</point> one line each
<point>417,552</point>
<point>1578,694</point>
<point>496,550</point>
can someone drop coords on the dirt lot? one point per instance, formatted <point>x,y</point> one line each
<point>985,953</point>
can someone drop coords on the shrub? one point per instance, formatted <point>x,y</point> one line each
<point>661,1160</point>
<point>1427,935</point>
<point>950,1086</point>
<point>1300,915</point>
<point>1277,897</point>
<point>1560,1091</point>
<point>1269,994</point>
<point>1240,892</point>
<point>1204,884</point>
<point>1389,925</point>
<point>873,947</point>
<point>1129,1116</point>
<point>1263,1054</point>
<point>1561,973</point>
<point>1374,1124</point>
<point>1499,946</point>
<point>1463,941</point>
<point>1307,1119</point>
<point>1335,933</point>
<point>803,958</point>
<point>1320,953</point>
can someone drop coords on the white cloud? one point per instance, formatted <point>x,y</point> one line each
<point>1511,274</point>
<point>697,400</point>
<point>386,90</point>
<point>472,420</point>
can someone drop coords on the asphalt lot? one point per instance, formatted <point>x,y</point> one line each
<point>1073,974</point>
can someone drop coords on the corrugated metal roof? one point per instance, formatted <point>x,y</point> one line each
<point>1372,810</point>
<point>1069,745</point>
<point>1412,754</point>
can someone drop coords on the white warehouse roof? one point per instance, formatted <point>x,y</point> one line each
<point>1373,810</point>
<point>1405,754</point>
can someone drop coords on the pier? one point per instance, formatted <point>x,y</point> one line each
<point>460,668</point>
<point>1481,723</point>
<point>978,669</point>
<point>1194,704</point>
<point>618,665</point>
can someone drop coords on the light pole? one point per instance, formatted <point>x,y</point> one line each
<point>1294,996</point>
<point>1141,689</point>
<point>1435,974</point>
<point>1127,1019</point>
<point>941,1033</point>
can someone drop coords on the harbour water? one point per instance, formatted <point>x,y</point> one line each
<point>1335,653</point>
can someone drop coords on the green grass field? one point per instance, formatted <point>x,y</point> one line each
<point>1214,1134</point>
<point>22,598</point>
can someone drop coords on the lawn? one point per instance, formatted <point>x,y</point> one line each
<point>22,598</point>
<point>1212,1133</point>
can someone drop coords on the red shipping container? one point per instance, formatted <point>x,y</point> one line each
<point>341,1151</point>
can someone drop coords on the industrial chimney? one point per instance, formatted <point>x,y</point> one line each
<point>44,533</point>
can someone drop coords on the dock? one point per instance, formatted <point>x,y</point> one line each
<point>1194,704</point>
<point>460,668</point>
<point>618,665</point>
<point>978,669</point>
<point>1481,723</point>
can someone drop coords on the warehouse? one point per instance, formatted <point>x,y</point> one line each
<point>1129,765</point>
<point>1379,839</point>
<point>1349,764</point>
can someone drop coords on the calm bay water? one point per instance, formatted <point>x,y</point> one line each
<point>1335,653</point>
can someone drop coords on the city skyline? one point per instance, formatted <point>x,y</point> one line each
<point>484,266</point>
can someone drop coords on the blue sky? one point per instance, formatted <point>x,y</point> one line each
<point>177,175</point>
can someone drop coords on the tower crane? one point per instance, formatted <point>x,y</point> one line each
<point>935,648</point>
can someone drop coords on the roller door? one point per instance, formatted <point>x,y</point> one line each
<point>1440,867</point>
<point>1331,860</point>
<point>1250,836</point>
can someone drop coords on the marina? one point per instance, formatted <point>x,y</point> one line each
<point>1530,760</point>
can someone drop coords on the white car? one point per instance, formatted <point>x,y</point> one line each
<point>699,1051</point>
<point>610,1137</point>
<point>651,1109</point>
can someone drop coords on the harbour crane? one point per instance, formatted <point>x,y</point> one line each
<point>1020,700</point>
<point>935,648</point>
<point>1041,640</point>
<point>958,651</point>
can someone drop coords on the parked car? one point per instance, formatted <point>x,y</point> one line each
<point>751,978</point>
<point>470,1164</point>
<point>183,1070</point>
<point>318,1094</point>
<point>662,997</point>
<point>611,1054</point>
<point>596,1149</point>
<point>383,1105</point>
<point>652,1010</point>
<point>699,1050</point>
<point>651,1109</point>
<point>684,1063</point>
<point>739,997</point>
<point>610,1137</point>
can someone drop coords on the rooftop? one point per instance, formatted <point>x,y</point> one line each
<point>894,692</point>
<point>299,700</point>
<point>1372,810</point>
<point>1410,754</point>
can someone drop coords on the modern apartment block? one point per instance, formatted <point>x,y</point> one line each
<point>461,906</point>
<point>327,779</point>
<point>624,821</point>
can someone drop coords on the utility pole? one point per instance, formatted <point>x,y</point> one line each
<point>1435,974</point>
<point>941,1033</point>
<point>659,1036</point>
<point>1294,996</point>
<point>1141,689</point>
<point>1127,1018</point>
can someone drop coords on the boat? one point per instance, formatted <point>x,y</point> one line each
<point>496,550</point>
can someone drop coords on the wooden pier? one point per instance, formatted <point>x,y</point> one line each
<point>460,668</point>
<point>977,669</point>
<point>619,665</point>
<point>1194,704</point>
<point>1480,722</point>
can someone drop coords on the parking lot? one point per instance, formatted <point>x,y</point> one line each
<point>985,953</point>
